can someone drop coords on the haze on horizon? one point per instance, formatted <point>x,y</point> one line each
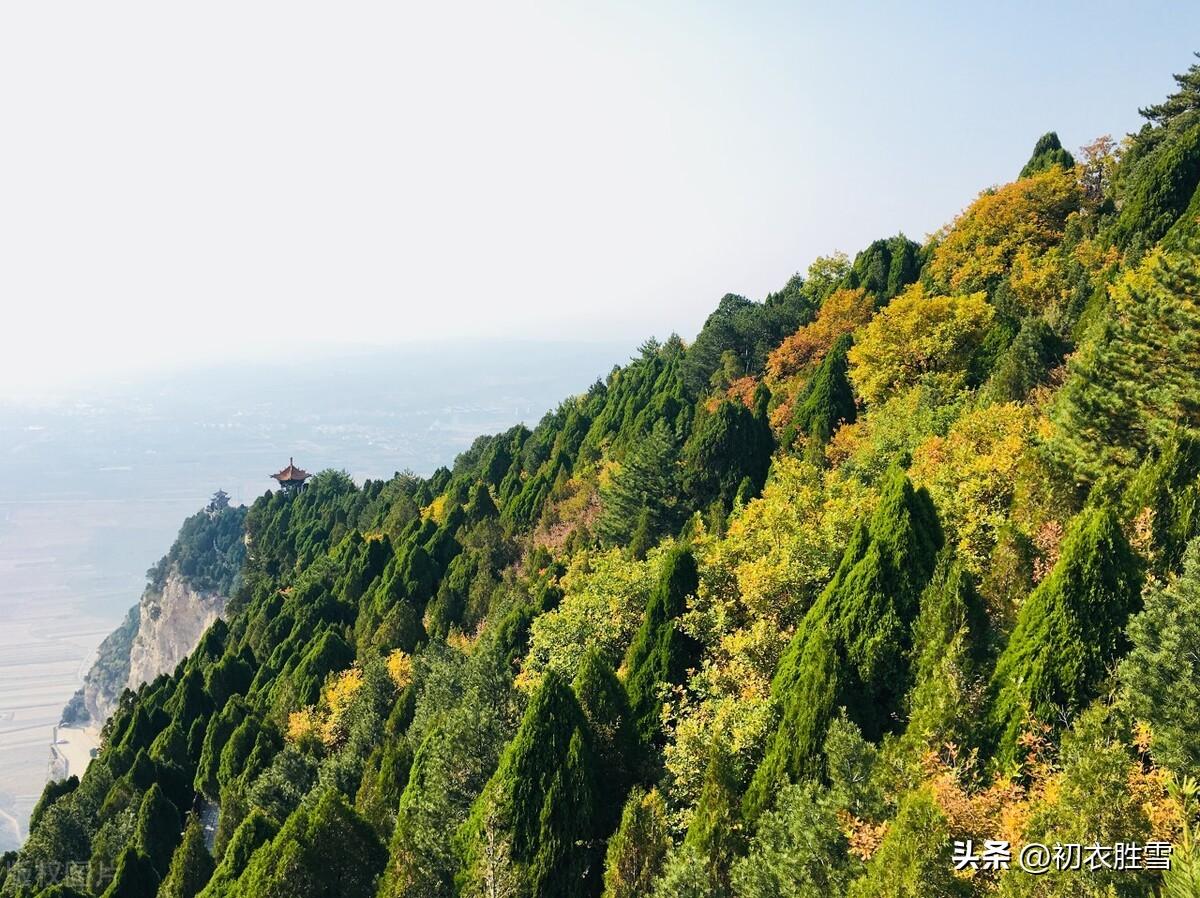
<point>184,184</point>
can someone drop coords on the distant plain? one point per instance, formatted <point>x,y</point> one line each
<point>93,488</point>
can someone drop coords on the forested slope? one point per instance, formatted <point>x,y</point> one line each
<point>904,554</point>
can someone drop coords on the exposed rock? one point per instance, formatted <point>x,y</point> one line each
<point>170,624</point>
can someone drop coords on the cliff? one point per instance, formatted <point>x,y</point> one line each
<point>171,621</point>
<point>185,592</point>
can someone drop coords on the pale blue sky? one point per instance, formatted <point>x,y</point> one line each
<point>180,178</point>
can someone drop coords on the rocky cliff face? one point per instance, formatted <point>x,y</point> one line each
<point>157,634</point>
<point>170,624</point>
<point>185,592</point>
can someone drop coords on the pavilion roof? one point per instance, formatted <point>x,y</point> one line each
<point>292,474</point>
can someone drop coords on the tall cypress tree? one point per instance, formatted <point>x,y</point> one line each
<point>534,827</point>
<point>852,648</point>
<point>135,877</point>
<point>1068,632</point>
<point>637,849</point>
<point>948,646</point>
<point>660,653</point>
<point>1047,152</point>
<point>828,398</point>
<point>605,705</point>
<point>323,849</point>
<point>158,828</point>
<point>726,446</point>
<point>715,834</point>
<point>191,867</point>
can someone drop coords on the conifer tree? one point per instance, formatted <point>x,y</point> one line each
<point>726,446</point>
<point>852,648</point>
<point>158,829</point>
<point>253,832</point>
<point>1160,677</point>
<point>323,849</point>
<point>135,877</point>
<point>1048,151</point>
<point>614,738</point>
<point>714,835</point>
<point>637,849</point>
<point>828,398</point>
<point>1068,632</point>
<point>1137,381</point>
<point>913,861</point>
<point>535,824</point>
<point>948,646</point>
<point>645,488</point>
<point>191,867</point>
<point>661,653</point>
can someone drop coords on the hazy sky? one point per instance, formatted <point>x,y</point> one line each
<point>223,178</point>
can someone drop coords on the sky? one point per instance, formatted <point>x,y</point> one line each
<point>185,183</point>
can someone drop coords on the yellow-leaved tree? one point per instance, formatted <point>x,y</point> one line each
<point>917,336</point>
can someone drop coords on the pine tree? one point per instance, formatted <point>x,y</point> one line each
<point>798,849</point>
<point>913,861</point>
<point>1185,100</point>
<point>1165,495</point>
<point>948,646</point>
<point>852,648</point>
<point>191,867</point>
<point>1160,677</point>
<point>645,488</point>
<point>661,654</point>
<point>715,832</point>
<point>1068,632</point>
<point>1137,382</point>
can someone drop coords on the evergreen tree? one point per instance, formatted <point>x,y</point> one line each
<point>158,829</point>
<point>913,861</point>
<point>827,399</point>
<point>1026,363</point>
<point>191,867</point>
<point>852,648</point>
<point>1047,152</point>
<point>323,850</point>
<point>644,494</point>
<point>798,850</point>
<point>637,849</point>
<point>535,824</point>
<point>256,830</point>
<point>661,654</point>
<point>1184,101</point>
<point>1160,678</point>
<point>52,792</point>
<point>726,446</point>
<point>1137,382</point>
<point>135,877</point>
<point>614,738</point>
<point>1068,632</point>
<point>1165,494</point>
<point>948,647</point>
<point>714,835</point>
